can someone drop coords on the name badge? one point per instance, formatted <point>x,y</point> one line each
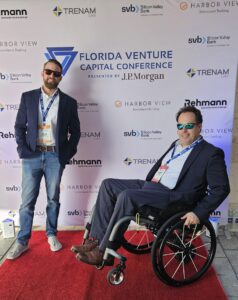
<point>44,134</point>
<point>158,175</point>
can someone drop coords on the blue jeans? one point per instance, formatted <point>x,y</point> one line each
<point>33,169</point>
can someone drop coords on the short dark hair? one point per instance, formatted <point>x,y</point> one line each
<point>54,61</point>
<point>192,109</point>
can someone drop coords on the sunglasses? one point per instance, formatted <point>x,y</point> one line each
<point>55,73</point>
<point>185,126</point>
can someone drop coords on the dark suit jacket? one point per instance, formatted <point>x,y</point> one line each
<point>203,179</point>
<point>67,130</point>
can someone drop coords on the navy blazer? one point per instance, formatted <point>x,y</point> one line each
<point>67,130</point>
<point>203,179</point>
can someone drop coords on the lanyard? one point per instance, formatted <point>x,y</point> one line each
<point>43,111</point>
<point>184,150</point>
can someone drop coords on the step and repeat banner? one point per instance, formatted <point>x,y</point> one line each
<point>131,65</point>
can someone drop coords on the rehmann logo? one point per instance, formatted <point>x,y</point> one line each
<point>206,103</point>
<point>207,72</point>
<point>139,161</point>
<point>86,162</point>
<point>89,11</point>
<point>8,135</point>
<point>13,13</point>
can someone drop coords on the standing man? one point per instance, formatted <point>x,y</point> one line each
<point>191,171</point>
<point>47,133</point>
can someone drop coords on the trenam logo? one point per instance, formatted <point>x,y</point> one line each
<point>139,161</point>
<point>64,54</point>
<point>88,11</point>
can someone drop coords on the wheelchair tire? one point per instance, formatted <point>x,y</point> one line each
<point>115,277</point>
<point>138,241</point>
<point>181,255</point>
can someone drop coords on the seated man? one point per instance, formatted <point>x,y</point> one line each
<point>190,171</point>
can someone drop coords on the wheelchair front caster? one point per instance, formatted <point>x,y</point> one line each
<point>115,276</point>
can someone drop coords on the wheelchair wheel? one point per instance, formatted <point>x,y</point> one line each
<point>115,276</point>
<point>138,241</point>
<point>182,254</point>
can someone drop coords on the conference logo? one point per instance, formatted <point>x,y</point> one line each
<point>86,162</point>
<point>65,55</point>
<point>83,188</point>
<point>210,41</point>
<point>8,135</point>
<point>128,161</point>
<point>1,107</point>
<point>141,76</point>
<point>207,72</point>
<point>88,107</point>
<point>216,133</point>
<point>18,47</point>
<point>95,135</point>
<point>12,163</point>
<point>143,134</point>
<point>72,11</point>
<point>207,104</point>
<point>142,105</point>
<point>16,77</point>
<point>208,6</point>
<point>143,9</point>
<point>13,14</point>
<point>79,213</point>
<point>8,107</point>
<point>13,188</point>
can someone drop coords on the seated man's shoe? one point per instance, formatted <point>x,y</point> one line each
<point>17,250</point>
<point>88,246</point>
<point>95,257</point>
<point>55,245</point>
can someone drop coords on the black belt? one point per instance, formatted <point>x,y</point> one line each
<point>46,148</point>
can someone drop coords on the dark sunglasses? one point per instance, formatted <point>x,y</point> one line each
<point>185,126</point>
<point>55,73</point>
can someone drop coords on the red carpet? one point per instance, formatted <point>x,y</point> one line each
<point>42,274</point>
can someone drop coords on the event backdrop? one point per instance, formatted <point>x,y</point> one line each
<point>131,65</point>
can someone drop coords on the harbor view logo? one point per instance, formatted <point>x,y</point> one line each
<point>65,55</point>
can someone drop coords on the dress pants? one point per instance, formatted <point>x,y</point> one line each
<point>118,198</point>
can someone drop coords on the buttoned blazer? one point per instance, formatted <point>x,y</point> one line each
<point>203,179</point>
<point>67,129</point>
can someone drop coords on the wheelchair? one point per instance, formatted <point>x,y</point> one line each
<point>180,254</point>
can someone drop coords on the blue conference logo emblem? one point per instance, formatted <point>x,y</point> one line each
<point>66,53</point>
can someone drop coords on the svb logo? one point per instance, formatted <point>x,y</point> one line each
<point>131,8</point>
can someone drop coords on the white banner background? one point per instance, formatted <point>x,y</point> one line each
<point>130,120</point>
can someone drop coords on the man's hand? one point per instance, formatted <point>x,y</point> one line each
<point>191,218</point>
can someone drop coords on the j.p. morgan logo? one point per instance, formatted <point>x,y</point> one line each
<point>13,13</point>
<point>221,103</point>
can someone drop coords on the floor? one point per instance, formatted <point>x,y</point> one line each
<point>225,262</point>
